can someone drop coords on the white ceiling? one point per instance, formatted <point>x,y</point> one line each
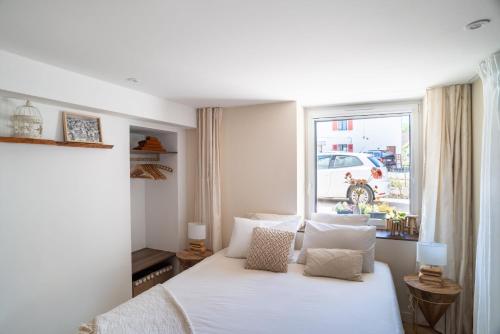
<point>233,52</point>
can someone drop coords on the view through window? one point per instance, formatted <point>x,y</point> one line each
<point>363,165</point>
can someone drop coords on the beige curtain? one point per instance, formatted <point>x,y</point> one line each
<point>207,205</point>
<point>446,199</point>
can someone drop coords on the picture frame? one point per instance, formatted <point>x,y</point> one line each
<point>80,128</point>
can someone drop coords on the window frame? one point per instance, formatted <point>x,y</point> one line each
<point>413,108</point>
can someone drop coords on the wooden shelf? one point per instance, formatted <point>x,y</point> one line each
<point>148,257</point>
<point>150,152</point>
<point>15,140</point>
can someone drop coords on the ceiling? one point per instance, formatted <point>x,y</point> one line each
<point>227,52</point>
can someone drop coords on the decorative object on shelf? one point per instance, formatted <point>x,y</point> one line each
<point>411,225</point>
<point>431,255</point>
<point>433,301</point>
<point>196,235</point>
<point>151,144</point>
<point>81,128</point>
<point>396,226</point>
<point>27,121</point>
<point>357,189</point>
<point>150,171</point>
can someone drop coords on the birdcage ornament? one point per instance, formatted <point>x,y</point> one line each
<point>27,121</point>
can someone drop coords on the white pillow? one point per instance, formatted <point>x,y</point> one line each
<point>242,234</point>
<point>331,218</point>
<point>321,235</point>
<point>274,217</point>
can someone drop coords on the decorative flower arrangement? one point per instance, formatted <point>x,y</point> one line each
<point>343,208</point>
<point>356,184</point>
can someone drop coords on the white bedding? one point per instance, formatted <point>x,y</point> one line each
<point>220,296</point>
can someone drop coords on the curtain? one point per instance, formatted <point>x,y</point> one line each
<point>487,284</point>
<point>208,202</point>
<point>446,192</point>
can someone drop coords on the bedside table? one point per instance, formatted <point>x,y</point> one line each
<point>188,259</point>
<point>432,300</point>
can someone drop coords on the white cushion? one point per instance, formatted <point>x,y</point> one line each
<point>242,234</point>
<point>321,235</point>
<point>337,263</point>
<point>331,218</point>
<point>274,217</point>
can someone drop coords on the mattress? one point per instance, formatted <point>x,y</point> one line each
<point>220,296</point>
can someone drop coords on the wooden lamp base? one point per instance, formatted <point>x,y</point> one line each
<point>197,246</point>
<point>431,275</point>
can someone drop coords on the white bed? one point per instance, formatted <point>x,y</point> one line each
<point>220,296</point>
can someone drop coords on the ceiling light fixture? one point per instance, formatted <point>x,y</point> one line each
<point>133,80</point>
<point>477,24</point>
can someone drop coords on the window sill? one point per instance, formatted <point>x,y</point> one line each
<point>382,234</point>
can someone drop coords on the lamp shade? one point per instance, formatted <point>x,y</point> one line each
<point>432,253</point>
<point>196,231</point>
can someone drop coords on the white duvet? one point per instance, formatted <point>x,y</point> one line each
<point>220,296</point>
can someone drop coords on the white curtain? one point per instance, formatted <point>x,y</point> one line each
<point>446,191</point>
<point>487,285</point>
<point>208,203</point>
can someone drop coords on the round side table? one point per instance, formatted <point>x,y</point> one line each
<point>432,300</point>
<point>188,258</point>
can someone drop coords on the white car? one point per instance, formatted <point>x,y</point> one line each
<point>332,168</point>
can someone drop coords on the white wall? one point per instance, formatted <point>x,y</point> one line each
<point>259,163</point>
<point>65,231</point>
<point>138,213</point>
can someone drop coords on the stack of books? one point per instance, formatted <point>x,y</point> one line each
<point>431,275</point>
<point>197,247</point>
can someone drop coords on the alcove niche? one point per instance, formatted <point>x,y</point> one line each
<point>154,203</point>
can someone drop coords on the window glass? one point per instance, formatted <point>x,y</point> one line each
<point>323,161</point>
<point>342,161</point>
<point>376,161</point>
<point>385,142</point>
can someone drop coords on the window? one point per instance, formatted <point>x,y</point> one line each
<point>381,147</point>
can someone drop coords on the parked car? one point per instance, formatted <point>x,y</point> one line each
<point>333,166</point>
<point>386,157</point>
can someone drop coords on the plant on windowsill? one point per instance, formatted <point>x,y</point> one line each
<point>343,208</point>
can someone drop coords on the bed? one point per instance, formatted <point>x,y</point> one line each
<point>219,296</point>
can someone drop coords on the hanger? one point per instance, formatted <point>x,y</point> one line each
<point>150,171</point>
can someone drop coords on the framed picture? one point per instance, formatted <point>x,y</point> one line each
<point>81,128</point>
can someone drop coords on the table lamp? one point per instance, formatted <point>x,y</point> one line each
<point>431,255</point>
<point>196,236</point>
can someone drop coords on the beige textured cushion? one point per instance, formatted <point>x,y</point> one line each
<point>321,235</point>
<point>337,263</point>
<point>269,250</point>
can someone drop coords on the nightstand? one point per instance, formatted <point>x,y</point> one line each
<point>432,300</point>
<point>188,259</point>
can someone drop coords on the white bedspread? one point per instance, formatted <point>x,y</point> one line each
<point>220,296</point>
<point>155,311</point>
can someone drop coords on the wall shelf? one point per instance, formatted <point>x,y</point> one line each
<point>15,140</point>
<point>150,152</point>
